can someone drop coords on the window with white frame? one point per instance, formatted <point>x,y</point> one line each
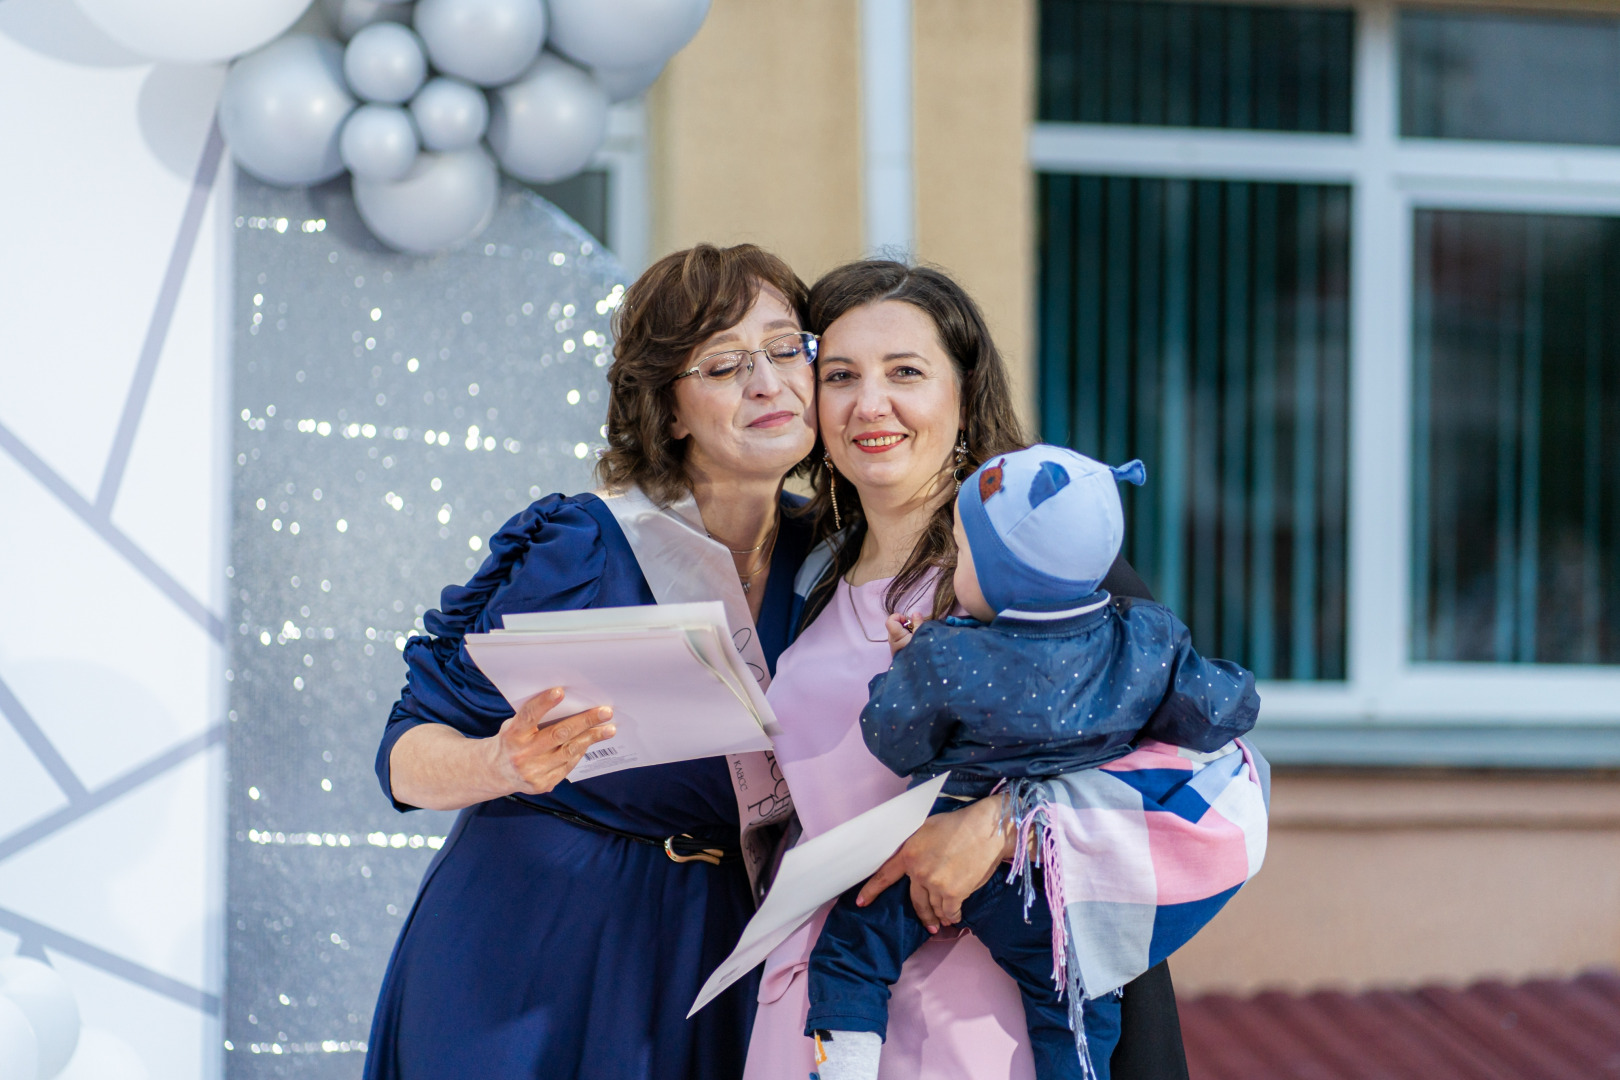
<point>1347,278</point>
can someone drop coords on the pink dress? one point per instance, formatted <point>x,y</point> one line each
<point>954,1015</point>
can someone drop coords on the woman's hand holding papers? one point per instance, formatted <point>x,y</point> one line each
<point>436,767</point>
<point>533,759</point>
<point>947,860</point>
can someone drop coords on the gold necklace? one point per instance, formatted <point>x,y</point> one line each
<point>747,580</point>
<point>747,551</point>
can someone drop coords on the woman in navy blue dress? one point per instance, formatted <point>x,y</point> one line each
<point>565,928</point>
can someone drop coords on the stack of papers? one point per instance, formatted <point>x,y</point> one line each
<point>678,688</point>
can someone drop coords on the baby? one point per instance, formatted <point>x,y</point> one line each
<point>1050,675</point>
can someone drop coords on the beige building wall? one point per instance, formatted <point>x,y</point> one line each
<point>974,75</point>
<point>743,148</point>
<point>754,134</point>
<point>1390,878</point>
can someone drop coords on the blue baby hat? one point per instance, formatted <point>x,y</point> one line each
<point>1044,525</point>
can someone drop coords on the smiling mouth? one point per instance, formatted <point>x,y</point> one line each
<point>772,419</point>
<point>877,442</point>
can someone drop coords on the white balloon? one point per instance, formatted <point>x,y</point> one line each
<point>385,62</point>
<point>19,1050</point>
<point>283,107</point>
<point>349,17</point>
<point>487,42</point>
<point>546,126</point>
<point>47,1000</point>
<point>624,83</point>
<point>444,200</point>
<point>378,142</point>
<point>449,114</point>
<point>624,33</point>
<point>193,31</point>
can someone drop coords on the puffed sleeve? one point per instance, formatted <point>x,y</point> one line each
<point>550,557</point>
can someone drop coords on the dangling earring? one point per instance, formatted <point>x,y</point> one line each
<point>961,458</point>
<point>832,487</point>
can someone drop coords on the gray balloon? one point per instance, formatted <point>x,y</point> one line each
<point>385,62</point>
<point>378,142</point>
<point>449,114</point>
<point>444,200</point>
<point>624,83</point>
<point>624,33</point>
<point>487,42</point>
<point>349,17</point>
<point>282,108</point>
<point>546,126</point>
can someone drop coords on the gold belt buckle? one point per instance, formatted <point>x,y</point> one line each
<point>708,855</point>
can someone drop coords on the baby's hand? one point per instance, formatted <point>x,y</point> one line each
<point>901,626</point>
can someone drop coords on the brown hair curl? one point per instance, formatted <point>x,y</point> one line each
<point>989,418</point>
<point>678,303</point>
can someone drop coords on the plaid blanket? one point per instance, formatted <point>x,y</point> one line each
<point>1137,856</point>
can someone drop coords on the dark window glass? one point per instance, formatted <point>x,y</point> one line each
<point>1516,450</point>
<point>1196,65</point>
<point>583,197</point>
<point>1203,327</point>
<point>1510,76</point>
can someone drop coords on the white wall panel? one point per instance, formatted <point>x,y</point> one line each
<point>178,449</point>
<point>130,878</point>
<point>91,222</point>
<point>110,665</point>
<point>26,791</point>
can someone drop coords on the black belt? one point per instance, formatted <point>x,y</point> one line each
<point>682,849</point>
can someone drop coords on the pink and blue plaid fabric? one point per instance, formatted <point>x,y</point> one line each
<point>1139,854</point>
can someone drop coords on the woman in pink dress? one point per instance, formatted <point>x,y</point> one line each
<point>912,396</point>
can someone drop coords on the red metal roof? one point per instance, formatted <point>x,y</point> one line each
<point>1540,1030</point>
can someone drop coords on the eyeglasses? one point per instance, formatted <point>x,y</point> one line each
<point>785,353</point>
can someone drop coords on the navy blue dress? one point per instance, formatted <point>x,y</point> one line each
<point>538,947</point>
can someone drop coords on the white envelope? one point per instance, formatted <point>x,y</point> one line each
<point>820,870</point>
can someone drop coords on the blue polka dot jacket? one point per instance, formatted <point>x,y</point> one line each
<point>1029,695</point>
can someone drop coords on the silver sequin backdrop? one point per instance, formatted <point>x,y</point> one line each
<point>390,412</point>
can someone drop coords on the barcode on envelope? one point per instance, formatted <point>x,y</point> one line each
<point>601,752</point>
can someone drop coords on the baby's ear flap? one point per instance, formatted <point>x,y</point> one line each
<point>1051,479</point>
<point>1132,472</point>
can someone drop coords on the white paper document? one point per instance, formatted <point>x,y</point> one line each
<point>817,871</point>
<point>677,686</point>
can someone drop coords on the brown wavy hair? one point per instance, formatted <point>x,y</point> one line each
<point>990,421</point>
<point>677,304</point>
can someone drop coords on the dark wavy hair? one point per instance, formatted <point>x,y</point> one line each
<point>990,421</point>
<point>677,304</point>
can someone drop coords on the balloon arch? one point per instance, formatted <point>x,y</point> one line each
<point>417,101</point>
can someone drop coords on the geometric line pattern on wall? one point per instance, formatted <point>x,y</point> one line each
<point>115,537</point>
<point>92,800</point>
<point>157,329</point>
<point>111,963</point>
<point>82,801</point>
<point>39,744</point>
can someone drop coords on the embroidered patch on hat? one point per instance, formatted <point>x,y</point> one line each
<point>1050,479</point>
<point>990,481</point>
